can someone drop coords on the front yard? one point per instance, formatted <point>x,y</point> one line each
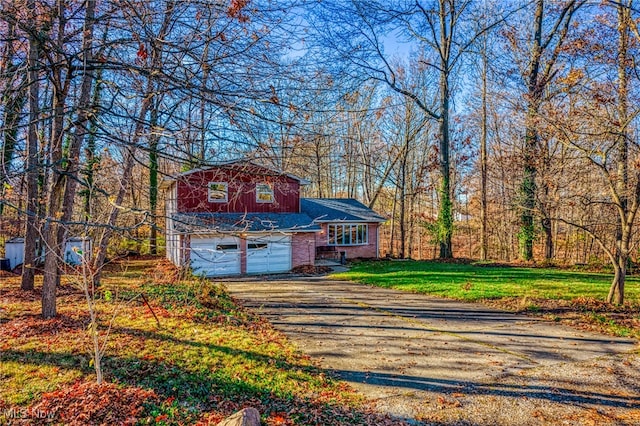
<point>192,356</point>
<point>206,359</point>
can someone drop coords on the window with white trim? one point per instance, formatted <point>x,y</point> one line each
<point>264,193</point>
<point>218,192</point>
<point>351,234</point>
<point>226,247</point>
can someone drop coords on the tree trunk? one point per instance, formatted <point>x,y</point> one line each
<point>393,222</point>
<point>31,225</point>
<point>528,184</point>
<point>13,99</point>
<point>91,159</point>
<point>85,111</point>
<point>53,225</point>
<point>483,157</point>
<point>54,230</point>
<point>411,252</point>
<point>616,291</point>
<point>125,181</point>
<point>538,77</point>
<point>318,166</point>
<point>153,178</point>
<point>66,167</point>
<point>402,254</point>
<point>548,239</point>
<point>625,214</point>
<point>445,213</point>
<point>402,206</point>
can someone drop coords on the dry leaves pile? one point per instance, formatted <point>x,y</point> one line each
<point>89,403</point>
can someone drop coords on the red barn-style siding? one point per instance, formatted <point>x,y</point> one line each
<point>192,192</point>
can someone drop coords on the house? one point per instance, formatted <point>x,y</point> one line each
<point>347,226</point>
<point>240,217</point>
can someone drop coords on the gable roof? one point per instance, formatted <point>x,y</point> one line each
<point>338,210</point>
<point>243,222</point>
<point>238,163</point>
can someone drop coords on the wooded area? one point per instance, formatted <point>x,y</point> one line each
<point>481,129</point>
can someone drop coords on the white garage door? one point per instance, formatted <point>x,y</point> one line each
<point>268,253</point>
<point>215,256</point>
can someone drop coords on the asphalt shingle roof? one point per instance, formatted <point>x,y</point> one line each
<point>243,222</point>
<point>338,210</point>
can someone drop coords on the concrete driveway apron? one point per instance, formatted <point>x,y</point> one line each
<point>417,354</point>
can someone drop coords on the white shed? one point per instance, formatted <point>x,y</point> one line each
<point>14,251</point>
<point>75,248</point>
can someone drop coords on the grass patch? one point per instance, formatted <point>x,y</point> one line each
<point>557,293</point>
<point>208,358</point>
<point>474,282</point>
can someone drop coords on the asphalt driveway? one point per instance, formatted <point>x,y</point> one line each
<point>446,362</point>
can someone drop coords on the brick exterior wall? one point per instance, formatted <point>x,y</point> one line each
<point>303,249</point>
<point>369,251</point>
<point>243,255</point>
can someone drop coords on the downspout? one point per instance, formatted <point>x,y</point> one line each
<point>378,241</point>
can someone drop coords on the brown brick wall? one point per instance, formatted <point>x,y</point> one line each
<point>303,249</point>
<point>243,255</point>
<point>369,251</point>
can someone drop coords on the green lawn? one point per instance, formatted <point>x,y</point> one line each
<point>474,282</point>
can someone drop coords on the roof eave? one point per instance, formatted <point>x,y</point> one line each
<point>175,177</point>
<point>351,220</point>
<point>204,231</point>
<point>166,183</point>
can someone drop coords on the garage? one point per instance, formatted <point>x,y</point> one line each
<point>268,253</point>
<point>215,256</point>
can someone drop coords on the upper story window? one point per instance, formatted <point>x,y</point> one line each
<point>218,192</point>
<point>264,193</point>
<point>352,234</point>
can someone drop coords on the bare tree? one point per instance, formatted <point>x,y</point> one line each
<point>601,131</point>
<point>483,148</point>
<point>546,45</point>
<point>32,163</point>
<point>441,29</point>
<point>14,95</point>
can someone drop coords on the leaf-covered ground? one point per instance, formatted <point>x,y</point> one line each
<point>206,359</point>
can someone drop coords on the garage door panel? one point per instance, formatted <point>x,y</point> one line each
<point>215,256</point>
<point>268,253</point>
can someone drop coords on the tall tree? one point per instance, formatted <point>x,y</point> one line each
<point>154,65</point>
<point>546,45</point>
<point>14,81</point>
<point>622,193</point>
<point>154,138</point>
<point>60,77</point>
<point>32,163</point>
<point>484,131</point>
<point>598,125</point>
<point>441,30</point>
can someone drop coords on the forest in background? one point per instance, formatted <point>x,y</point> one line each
<point>497,130</point>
